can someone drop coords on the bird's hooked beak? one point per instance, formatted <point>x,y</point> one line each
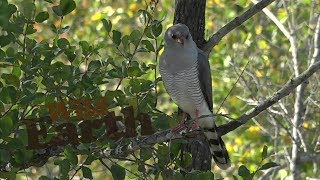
<point>180,39</point>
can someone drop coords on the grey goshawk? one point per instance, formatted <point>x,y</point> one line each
<point>186,75</point>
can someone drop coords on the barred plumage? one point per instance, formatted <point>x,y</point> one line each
<point>187,78</point>
<point>183,87</point>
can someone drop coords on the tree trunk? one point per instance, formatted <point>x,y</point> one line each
<point>192,14</point>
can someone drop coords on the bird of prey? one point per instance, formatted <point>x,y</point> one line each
<point>186,75</point>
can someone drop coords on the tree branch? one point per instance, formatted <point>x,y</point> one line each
<point>215,39</point>
<point>288,88</point>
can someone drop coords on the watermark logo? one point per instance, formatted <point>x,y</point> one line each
<point>74,122</point>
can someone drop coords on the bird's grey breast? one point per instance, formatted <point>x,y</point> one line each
<point>182,83</point>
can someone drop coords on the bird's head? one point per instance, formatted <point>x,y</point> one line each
<point>177,35</point>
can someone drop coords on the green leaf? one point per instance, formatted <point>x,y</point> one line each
<point>1,106</point>
<point>141,168</point>
<point>148,45</point>
<point>89,160</point>
<point>94,65</point>
<point>67,6</point>
<point>8,175</point>
<point>265,152</point>
<point>145,153</point>
<point>11,80</point>
<point>4,41</point>
<point>42,16</point>
<point>63,43</point>
<point>53,28</point>
<point>64,30</point>
<point>148,33</point>
<point>28,9</point>
<point>6,125</point>
<point>125,41</point>
<point>4,155</point>
<point>244,172</point>
<point>8,94</point>
<point>16,71</point>
<point>157,29</point>
<point>206,175</point>
<point>71,156</point>
<point>10,52</point>
<point>144,16</point>
<point>107,25</point>
<point>30,29</point>
<point>134,71</point>
<point>57,10</point>
<point>178,176</point>
<point>64,166</point>
<point>268,165</point>
<point>86,172</point>
<point>19,156</point>
<point>44,178</point>
<point>49,1</point>
<point>2,53</point>
<point>187,159</point>
<point>118,172</point>
<point>200,175</point>
<point>116,37</point>
<point>135,37</point>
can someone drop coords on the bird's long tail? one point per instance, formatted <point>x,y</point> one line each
<point>218,149</point>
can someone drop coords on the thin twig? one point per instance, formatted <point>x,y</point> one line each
<point>232,87</point>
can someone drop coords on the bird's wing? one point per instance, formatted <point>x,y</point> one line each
<point>205,79</point>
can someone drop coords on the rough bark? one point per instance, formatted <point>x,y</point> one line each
<point>192,14</point>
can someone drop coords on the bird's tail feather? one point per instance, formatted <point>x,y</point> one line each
<point>218,149</point>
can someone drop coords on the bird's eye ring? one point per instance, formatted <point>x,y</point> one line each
<point>174,36</point>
